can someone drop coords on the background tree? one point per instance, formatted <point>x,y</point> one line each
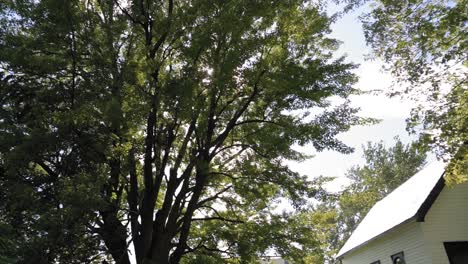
<point>424,44</point>
<point>163,125</point>
<point>384,170</point>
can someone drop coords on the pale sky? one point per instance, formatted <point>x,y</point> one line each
<point>391,112</point>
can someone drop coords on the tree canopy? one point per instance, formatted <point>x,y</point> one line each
<point>423,44</point>
<point>163,125</point>
<point>338,214</point>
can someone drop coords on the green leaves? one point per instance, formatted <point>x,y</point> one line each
<point>166,124</point>
<point>424,44</point>
<point>385,168</point>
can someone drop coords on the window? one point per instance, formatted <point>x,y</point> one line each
<point>398,258</point>
<point>457,252</point>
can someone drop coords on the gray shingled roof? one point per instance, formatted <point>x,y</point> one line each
<point>402,204</point>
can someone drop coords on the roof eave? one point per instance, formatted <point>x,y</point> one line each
<point>430,199</point>
<point>409,220</point>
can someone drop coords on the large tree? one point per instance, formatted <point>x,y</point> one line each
<point>423,44</point>
<point>163,125</point>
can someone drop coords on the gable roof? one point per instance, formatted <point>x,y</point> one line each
<point>411,200</point>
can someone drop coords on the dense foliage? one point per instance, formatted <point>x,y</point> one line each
<point>162,126</point>
<point>424,44</point>
<point>338,214</point>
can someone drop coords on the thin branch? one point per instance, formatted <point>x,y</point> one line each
<point>126,13</point>
<point>231,124</point>
<point>163,37</point>
<point>219,218</point>
<point>216,196</point>
<point>257,121</point>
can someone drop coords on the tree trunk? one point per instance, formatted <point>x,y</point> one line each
<point>114,235</point>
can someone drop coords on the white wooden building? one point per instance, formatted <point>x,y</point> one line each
<point>421,222</point>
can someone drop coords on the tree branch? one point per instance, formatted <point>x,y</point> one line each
<point>216,196</point>
<point>231,124</point>
<point>163,37</point>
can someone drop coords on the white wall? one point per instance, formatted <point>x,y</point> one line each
<point>407,238</point>
<point>446,221</point>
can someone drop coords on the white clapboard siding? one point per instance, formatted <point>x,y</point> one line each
<point>407,238</point>
<point>446,221</point>
<point>421,242</point>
